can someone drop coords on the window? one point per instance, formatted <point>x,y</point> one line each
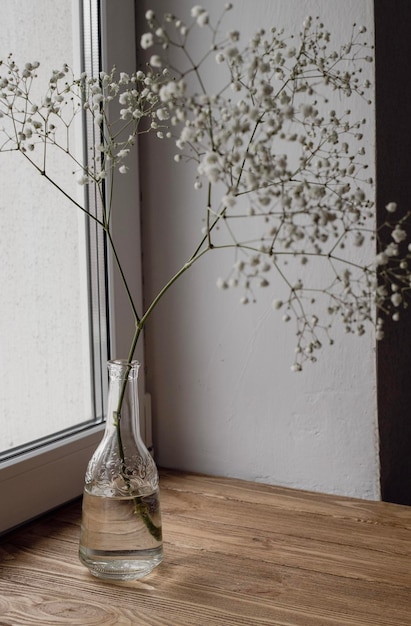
<point>45,383</point>
<point>53,325</point>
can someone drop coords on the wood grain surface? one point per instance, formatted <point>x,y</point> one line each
<point>236,553</point>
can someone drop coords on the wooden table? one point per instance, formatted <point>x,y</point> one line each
<point>236,553</point>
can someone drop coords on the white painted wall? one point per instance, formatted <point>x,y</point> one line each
<point>224,399</point>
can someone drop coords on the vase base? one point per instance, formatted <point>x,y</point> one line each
<point>126,566</point>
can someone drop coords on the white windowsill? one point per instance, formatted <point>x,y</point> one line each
<point>41,480</point>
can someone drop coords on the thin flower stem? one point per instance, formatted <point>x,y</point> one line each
<point>123,278</point>
<point>195,257</point>
<point>139,327</point>
<point>64,193</point>
<point>140,508</point>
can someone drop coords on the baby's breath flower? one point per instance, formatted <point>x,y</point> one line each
<point>162,113</point>
<point>391,207</point>
<point>203,19</point>
<point>146,41</point>
<point>229,200</point>
<point>379,335</point>
<point>196,11</point>
<point>124,78</point>
<point>399,234</point>
<point>381,258</point>
<point>270,138</point>
<point>221,283</point>
<point>396,299</point>
<point>155,60</point>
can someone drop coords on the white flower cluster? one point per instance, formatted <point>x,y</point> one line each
<point>393,266</point>
<point>27,125</point>
<point>284,174</point>
<point>265,147</point>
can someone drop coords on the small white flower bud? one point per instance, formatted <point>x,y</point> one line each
<point>155,61</point>
<point>196,11</point>
<point>221,283</point>
<point>203,19</point>
<point>146,41</point>
<point>391,207</point>
<point>396,299</point>
<point>398,234</point>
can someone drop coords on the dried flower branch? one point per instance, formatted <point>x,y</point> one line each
<point>285,182</point>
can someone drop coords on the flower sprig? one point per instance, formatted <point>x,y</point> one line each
<point>282,174</point>
<point>285,181</point>
<point>34,127</point>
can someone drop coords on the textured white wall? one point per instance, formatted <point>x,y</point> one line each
<point>224,399</point>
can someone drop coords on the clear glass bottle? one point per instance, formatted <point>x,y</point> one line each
<point>120,535</point>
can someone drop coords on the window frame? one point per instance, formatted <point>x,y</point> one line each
<point>41,479</point>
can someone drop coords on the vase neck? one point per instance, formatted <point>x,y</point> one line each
<point>123,396</point>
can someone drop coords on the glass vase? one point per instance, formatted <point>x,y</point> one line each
<point>121,521</point>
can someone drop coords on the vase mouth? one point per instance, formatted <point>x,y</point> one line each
<point>124,363</point>
<point>120,369</point>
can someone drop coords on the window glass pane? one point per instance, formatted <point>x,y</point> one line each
<point>45,354</point>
